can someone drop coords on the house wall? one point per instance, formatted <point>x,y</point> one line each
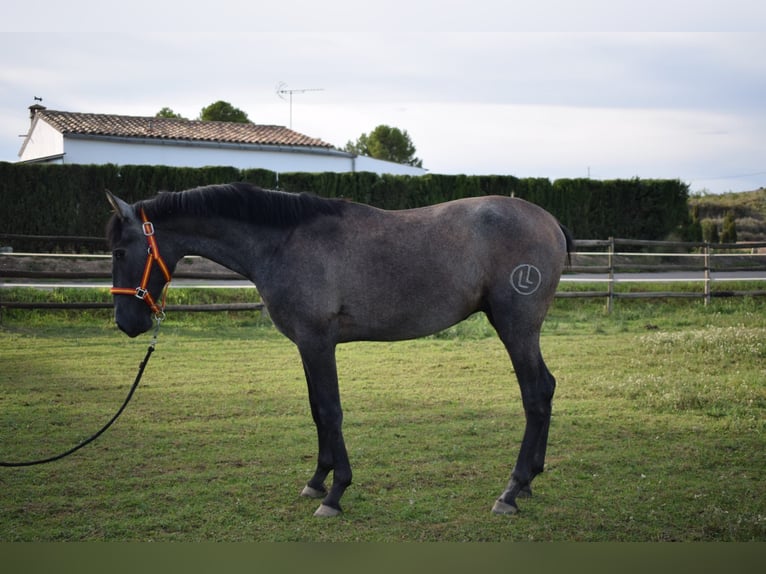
<point>88,151</point>
<point>44,142</point>
<point>364,163</point>
<point>281,160</point>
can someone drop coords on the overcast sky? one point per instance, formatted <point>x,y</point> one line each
<point>558,89</point>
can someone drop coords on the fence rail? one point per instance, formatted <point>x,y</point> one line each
<point>611,262</point>
<point>657,262</point>
<point>101,305</point>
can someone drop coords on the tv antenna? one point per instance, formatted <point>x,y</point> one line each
<point>283,90</point>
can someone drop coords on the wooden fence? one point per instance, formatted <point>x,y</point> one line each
<point>611,263</point>
<point>629,261</point>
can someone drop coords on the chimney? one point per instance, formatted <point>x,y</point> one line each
<point>33,109</point>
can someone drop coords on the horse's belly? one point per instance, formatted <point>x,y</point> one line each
<point>398,324</point>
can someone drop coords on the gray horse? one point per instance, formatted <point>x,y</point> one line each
<point>331,271</point>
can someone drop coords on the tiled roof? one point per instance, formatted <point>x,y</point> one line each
<point>175,129</point>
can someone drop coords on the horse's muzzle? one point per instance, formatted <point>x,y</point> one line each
<point>134,328</point>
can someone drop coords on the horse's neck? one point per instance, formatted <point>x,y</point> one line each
<point>237,246</point>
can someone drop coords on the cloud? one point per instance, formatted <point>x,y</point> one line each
<point>682,105</point>
<point>556,141</point>
<point>342,16</point>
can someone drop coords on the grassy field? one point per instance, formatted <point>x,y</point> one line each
<point>657,432</point>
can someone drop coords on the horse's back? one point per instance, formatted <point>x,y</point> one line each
<point>458,243</point>
<point>505,229</point>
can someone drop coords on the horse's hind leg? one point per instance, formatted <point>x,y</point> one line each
<point>521,338</point>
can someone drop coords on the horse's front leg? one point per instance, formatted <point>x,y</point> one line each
<point>324,398</point>
<point>315,488</point>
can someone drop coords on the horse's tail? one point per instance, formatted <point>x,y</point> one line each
<point>570,244</point>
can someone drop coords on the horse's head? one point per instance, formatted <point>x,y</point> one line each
<point>139,273</point>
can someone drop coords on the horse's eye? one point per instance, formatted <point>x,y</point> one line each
<point>118,254</point>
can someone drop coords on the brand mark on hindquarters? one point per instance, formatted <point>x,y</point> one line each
<point>526,279</point>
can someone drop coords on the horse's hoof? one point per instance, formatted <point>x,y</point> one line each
<point>325,511</point>
<point>309,492</point>
<point>501,507</point>
<point>525,492</point>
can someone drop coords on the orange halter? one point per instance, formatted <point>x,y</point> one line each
<point>153,255</point>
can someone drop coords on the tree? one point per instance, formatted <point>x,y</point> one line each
<point>386,143</point>
<point>166,112</point>
<point>710,231</point>
<point>692,229</point>
<point>729,231</point>
<point>221,111</point>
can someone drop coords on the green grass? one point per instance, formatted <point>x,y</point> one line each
<point>657,432</point>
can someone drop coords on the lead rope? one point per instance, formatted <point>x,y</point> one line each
<point>158,317</point>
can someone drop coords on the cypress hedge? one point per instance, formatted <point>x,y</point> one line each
<point>40,199</point>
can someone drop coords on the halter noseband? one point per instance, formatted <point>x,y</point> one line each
<point>153,255</point>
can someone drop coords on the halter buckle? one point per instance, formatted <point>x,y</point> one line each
<point>148,228</point>
<point>141,293</point>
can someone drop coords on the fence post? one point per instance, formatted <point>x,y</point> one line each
<point>706,251</point>
<point>610,263</point>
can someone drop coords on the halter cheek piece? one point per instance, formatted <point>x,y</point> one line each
<point>153,256</point>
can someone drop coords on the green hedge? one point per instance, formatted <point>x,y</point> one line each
<point>41,199</point>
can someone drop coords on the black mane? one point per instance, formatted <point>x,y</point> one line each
<point>241,201</point>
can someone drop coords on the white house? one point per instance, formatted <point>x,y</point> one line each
<point>80,138</point>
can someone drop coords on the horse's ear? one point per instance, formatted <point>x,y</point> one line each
<point>121,208</point>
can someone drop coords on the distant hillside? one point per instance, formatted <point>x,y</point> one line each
<point>748,207</point>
